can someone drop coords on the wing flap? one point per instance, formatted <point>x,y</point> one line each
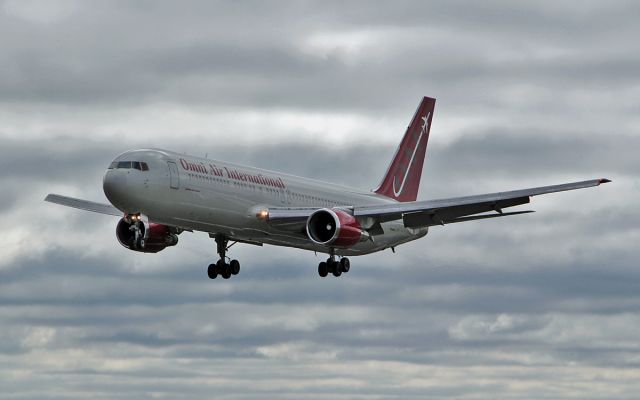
<point>411,221</point>
<point>440,216</point>
<point>435,212</point>
<point>86,205</point>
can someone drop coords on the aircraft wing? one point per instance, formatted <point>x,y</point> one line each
<point>417,214</point>
<point>100,208</point>
<point>437,212</point>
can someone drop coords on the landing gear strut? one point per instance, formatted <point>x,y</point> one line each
<point>333,266</point>
<point>221,267</point>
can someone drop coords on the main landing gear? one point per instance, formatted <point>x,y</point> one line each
<point>334,266</point>
<point>221,267</point>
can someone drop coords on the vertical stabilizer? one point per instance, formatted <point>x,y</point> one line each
<point>402,180</point>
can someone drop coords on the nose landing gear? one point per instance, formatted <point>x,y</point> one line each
<point>222,268</point>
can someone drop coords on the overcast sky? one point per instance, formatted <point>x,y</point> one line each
<point>545,305</point>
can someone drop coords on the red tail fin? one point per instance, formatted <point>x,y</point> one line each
<point>402,179</point>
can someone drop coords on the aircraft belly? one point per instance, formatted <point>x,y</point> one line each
<point>232,212</point>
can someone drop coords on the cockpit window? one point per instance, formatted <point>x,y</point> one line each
<point>141,166</point>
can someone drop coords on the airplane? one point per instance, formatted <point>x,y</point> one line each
<point>159,194</point>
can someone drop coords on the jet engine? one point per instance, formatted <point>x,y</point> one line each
<point>146,237</point>
<point>335,228</point>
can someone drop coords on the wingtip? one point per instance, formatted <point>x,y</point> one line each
<point>604,180</point>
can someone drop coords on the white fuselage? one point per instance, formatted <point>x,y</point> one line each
<point>219,197</point>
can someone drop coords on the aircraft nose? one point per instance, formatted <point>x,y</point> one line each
<point>114,185</point>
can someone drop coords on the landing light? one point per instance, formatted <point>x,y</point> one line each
<point>263,214</point>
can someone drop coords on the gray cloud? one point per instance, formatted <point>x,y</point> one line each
<point>517,307</point>
<point>158,55</point>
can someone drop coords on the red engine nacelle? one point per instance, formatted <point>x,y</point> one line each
<point>334,228</point>
<point>150,238</point>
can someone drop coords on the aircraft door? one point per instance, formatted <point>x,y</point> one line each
<point>174,177</point>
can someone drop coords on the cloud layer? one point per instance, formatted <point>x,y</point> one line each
<point>538,306</point>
